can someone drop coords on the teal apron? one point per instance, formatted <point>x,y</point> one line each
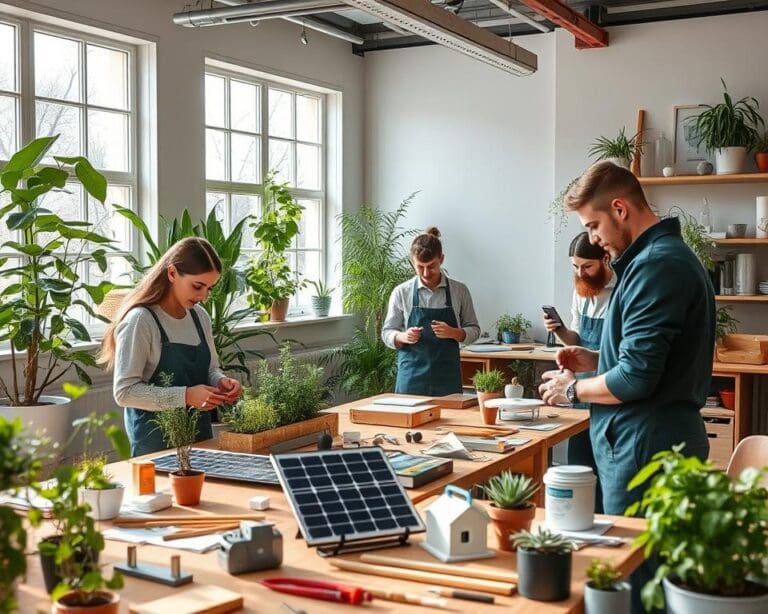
<point>432,366</point>
<point>580,446</point>
<point>189,365</point>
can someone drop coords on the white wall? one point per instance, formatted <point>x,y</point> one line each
<point>490,151</point>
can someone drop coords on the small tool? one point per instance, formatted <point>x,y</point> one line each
<point>465,595</point>
<point>318,589</point>
<point>172,576</point>
<point>380,438</point>
<point>325,442</point>
<point>414,436</point>
<point>254,547</point>
<point>412,598</point>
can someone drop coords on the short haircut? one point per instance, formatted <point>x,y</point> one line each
<point>600,184</point>
<point>582,248</point>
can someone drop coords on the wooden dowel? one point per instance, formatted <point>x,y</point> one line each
<point>452,570</point>
<point>126,521</point>
<point>198,532</point>
<point>488,586</point>
<point>635,167</point>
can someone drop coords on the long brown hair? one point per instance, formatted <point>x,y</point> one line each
<point>190,256</point>
<point>427,245</point>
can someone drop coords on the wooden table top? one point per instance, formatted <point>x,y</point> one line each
<point>512,353</point>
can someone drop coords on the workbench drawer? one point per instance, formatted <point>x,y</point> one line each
<point>720,434</point>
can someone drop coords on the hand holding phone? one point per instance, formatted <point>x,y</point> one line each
<point>552,314</point>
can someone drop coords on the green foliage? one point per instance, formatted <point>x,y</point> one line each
<point>92,465</point>
<point>708,530</point>
<point>728,124</point>
<point>556,209</point>
<point>367,366</point>
<point>20,463</point>
<point>695,237</point>
<point>488,381</point>
<point>178,426</point>
<point>618,147</point>
<point>222,302</point>
<point>43,290</point>
<point>603,575</point>
<point>725,323</point>
<point>321,290</point>
<point>543,541</point>
<point>761,144</point>
<point>269,275</point>
<point>510,491</point>
<point>513,323</point>
<point>288,394</point>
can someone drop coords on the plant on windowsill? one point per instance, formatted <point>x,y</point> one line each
<point>512,509</point>
<point>605,593</point>
<point>512,326</point>
<point>283,405</point>
<point>709,532</point>
<point>729,129</point>
<point>543,565</point>
<point>619,150</point>
<point>489,385</point>
<point>44,286</point>
<point>761,153</point>
<point>321,300</point>
<point>271,281</point>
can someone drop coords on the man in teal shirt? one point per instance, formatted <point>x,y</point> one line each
<point>654,365</point>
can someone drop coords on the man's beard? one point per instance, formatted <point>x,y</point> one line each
<point>589,287</point>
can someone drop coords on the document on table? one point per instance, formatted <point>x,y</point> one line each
<point>154,536</point>
<point>544,426</point>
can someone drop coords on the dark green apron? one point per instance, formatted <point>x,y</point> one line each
<point>189,365</point>
<point>432,366</point>
<point>580,445</point>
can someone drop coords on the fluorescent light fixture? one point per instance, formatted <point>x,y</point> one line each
<point>433,23</point>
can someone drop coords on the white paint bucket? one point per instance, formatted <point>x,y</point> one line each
<point>569,498</point>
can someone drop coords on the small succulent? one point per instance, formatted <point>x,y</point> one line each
<point>603,575</point>
<point>544,541</point>
<point>488,381</point>
<point>509,491</point>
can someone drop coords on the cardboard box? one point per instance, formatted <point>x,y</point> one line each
<point>394,415</point>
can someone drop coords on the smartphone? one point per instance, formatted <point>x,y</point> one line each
<point>552,313</point>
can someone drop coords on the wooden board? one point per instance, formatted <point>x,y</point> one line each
<point>200,599</point>
<point>404,417</point>
<point>456,401</point>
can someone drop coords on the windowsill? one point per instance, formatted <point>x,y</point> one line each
<point>302,320</point>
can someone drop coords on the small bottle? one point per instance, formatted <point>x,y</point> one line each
<point>705,219</point>
<point>662,149</point>
<point>143,478</point>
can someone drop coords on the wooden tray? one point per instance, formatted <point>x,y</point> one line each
<point>743,349</point>
<point>257,443</point>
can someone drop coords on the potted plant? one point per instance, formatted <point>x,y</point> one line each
<point>695,237</point>
<point>761,153</point>
<point>178,426</point>
<point>270,279</point>
<point>605,593</point>
<point>511,508</point>
<point>619,150</point>
<point>489,385</point>
<point>523,374</point>
<point>45,288</point>
<point>709,532</point>
<point>20,463</point>
<point>543,565</point>
<point>729,129</point>
<point>512,326</point>
<point>321,300</point>
<point>283,405</point>
<point>725,323</point>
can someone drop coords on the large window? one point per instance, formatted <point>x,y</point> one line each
<point>254,127</point>
<point>55,81</point>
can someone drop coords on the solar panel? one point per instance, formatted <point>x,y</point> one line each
<point>346,495</point>
<point>236,466</point>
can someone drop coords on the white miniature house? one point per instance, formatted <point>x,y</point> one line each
<point>457,530</point>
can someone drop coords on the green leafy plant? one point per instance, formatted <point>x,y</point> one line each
<point>488,381</point>
<point>729,123</point>
<point>556,209</point>
<point>269,274</point>
<point>366,367</point>
<point>695,237</point>
<point>619,147</point>
<point>725,323</point>
<point>543,541</point>
<point>92,464</point>
<point>761,144</point>
<point>20,464</point>
<point>178,426</point>
<point>42,279</point>
<point>510,491</point>
<point>290,393</point>
<point>513,323</point>
<point>603,575</point>
<point>321,290</point>
<point>708,530</point>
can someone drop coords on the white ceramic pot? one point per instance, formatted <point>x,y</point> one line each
<point>513,391</point>
<point>105,503</point>
<point>681,601</point>
<point>608,602</point>
<point>730,160</point>
<point>51,417</point>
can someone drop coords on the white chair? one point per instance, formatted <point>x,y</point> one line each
<point>752,451</point>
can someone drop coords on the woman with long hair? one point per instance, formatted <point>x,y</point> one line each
<point>160,345</point>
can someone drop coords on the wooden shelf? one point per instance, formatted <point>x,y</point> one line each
<point>721,368</point>
<point>740,241</point>
<point>738,298</point>
<point>704,179</point>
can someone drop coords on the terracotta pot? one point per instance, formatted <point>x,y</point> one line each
<point>761,159</point>
<point>108,603</point>
<point>187,488</point>
<point>507,522</point>
<point>488,415</point>
<point>278,311</point>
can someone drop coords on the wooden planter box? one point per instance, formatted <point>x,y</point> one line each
<point>260,443</point>
<point>743,349</point>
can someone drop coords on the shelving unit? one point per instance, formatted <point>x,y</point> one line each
<point>739,242</point>
<point>704,179</point>
<point>742,298</point>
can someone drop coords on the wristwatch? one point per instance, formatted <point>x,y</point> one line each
<point>570,392</point>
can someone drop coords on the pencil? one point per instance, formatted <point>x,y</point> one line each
<point>412,598</point>
<point>199,532</point>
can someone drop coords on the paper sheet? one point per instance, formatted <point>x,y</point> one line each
<point>154,536</point>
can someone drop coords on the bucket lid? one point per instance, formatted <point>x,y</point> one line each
<point>575,474</point>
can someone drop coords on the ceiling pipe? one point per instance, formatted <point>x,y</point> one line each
<point>281,15</point>
<point>507,6</point>
<point>261,10</point>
